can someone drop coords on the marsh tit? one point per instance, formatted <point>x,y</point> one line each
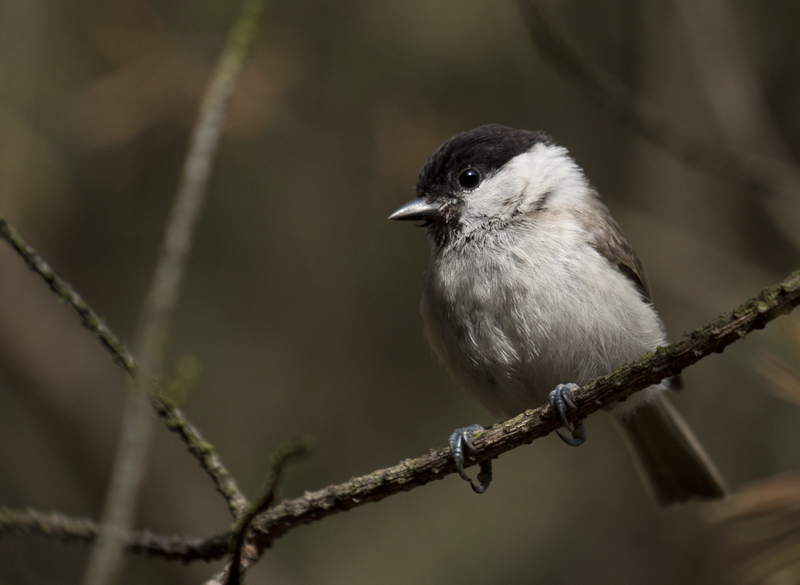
<point>532,290</point>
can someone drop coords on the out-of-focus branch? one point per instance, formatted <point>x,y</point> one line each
<point>70,529</point>
<point>622,103</point>
<point>62,288</point>
<point>777,178</point>
<point>172,416</point>
<point>162,297</point>
<point>727,76</point>
<point>533,424</point>
<point>739,105</point>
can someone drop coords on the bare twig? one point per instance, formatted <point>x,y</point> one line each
<point>282,456</point>
<point>172,416</point>
<point>62,288</point>
<point>71,529</point>
<point>156,316</point>
<point>533,424</point>
<point>204,451</point>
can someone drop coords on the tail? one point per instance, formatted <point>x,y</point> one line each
<point>670,460</point>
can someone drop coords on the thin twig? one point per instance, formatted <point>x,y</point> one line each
<point>71,529</point>
<point>62,288</point>
<point>172,416</point>
<point>203,451</point>
<point>161,300</point>
<point>282,456</point>
<point>533,424</point>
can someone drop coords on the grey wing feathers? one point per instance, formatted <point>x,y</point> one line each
<point>607,238</point>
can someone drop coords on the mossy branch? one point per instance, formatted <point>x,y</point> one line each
<point>411,473</point>
<point>533,424</point>
<point>172,416</point>
<point>91,320</point>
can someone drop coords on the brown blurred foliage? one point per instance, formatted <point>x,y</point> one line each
<point>301,299</point>
<point>762,518</point>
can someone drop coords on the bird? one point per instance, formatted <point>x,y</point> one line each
<point>532,290</point>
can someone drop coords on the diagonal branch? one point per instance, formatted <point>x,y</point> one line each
<point>71,529</point>
<point>411,473</point>
<point>62,288</point>
<point>172,416</point>
<point>203,451</point>
<point>533,424</point>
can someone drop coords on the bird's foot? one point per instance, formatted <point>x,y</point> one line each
<point>560,401</point>
<point>460,439</point>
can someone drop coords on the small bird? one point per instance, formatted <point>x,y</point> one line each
<point>532,290</point>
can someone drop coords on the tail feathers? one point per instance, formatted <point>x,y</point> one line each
<point>673,465</point>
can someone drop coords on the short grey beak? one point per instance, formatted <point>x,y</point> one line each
<point>416,209</point>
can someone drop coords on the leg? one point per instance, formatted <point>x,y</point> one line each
<point>458,440</point>
<point>560,401</point>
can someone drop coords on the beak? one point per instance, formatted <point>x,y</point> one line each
<point>416,209</point>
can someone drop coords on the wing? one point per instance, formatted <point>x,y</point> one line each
<point>607,238</point>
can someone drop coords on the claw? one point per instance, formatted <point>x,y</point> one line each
<point>484,477</point>
<point>457,441</point>
<point>560,399</point>
<point>578,435</point>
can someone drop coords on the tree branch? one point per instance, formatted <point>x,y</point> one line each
<point>62,288</point>
<point>71,529</point>
<point>411,473</point>
<point>533,424</point>
<point>172,416</point>
<point>203,451</point>
<point>242,556</point>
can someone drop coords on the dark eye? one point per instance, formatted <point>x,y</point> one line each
<point>469,179</point>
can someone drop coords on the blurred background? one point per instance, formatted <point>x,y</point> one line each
<point>301,299</point>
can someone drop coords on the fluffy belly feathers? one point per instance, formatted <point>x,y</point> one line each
<point>509,334</point>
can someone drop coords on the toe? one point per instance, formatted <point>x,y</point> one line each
<point>459,439</point>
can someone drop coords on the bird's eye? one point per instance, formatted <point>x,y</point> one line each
<point>469,179</point>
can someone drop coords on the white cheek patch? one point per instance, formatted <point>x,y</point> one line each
<point>525,182</point>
